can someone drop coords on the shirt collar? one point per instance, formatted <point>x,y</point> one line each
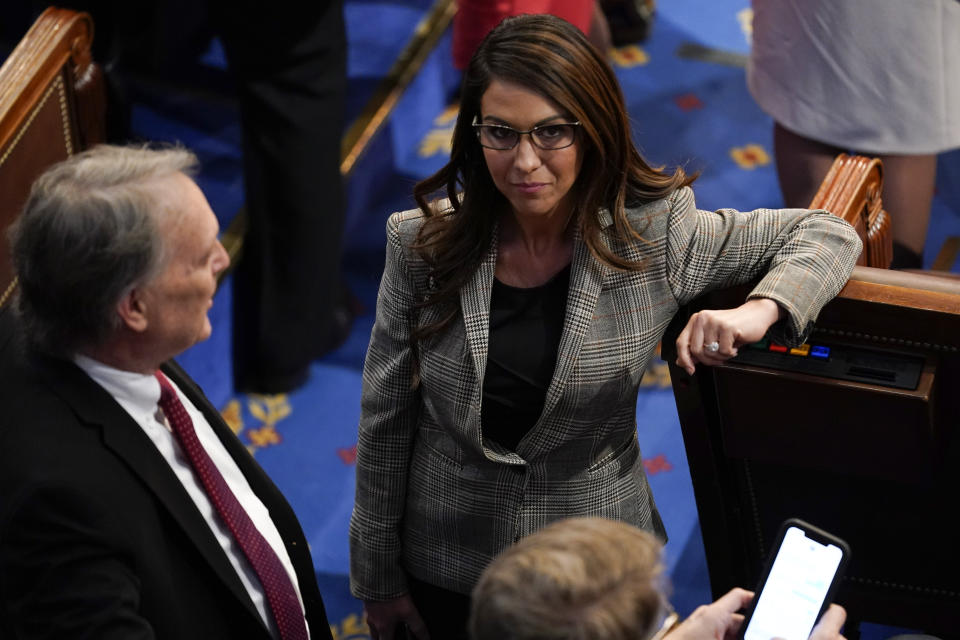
<point>141,390</point>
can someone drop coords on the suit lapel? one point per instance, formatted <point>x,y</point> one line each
<point>280,510</point>
<point>260,483</point>
<point>475,306</point>
<point>123,436</point>
<point>586,282</point>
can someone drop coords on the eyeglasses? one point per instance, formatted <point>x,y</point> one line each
<point>548,137</point>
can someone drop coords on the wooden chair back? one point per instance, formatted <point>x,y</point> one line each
<point>851,191</point>
<point>52,105</point>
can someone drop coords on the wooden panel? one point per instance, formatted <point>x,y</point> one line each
<point>51,106</point>
<point>22,160</point>
<point>824,423</point>
<point>876,465</point>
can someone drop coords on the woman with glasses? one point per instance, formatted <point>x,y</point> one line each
<point>518,311</point>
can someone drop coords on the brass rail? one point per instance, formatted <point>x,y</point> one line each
<point>391,88</point>
<point>377,110</point>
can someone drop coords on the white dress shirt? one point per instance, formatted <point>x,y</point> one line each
<point>139,395</point>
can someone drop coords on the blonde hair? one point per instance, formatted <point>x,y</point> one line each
<point>576,579</point>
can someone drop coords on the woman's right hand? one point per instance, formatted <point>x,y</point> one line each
<point>384,616</point>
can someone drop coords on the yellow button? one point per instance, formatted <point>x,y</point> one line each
<point>802,350</point>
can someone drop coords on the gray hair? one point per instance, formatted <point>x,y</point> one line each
<point>87,235</point>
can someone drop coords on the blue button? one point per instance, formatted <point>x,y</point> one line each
<point>821,352</point>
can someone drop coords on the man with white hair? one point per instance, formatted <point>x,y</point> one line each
<point>128,508</point>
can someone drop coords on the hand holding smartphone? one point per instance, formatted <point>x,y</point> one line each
<point>798,583</point>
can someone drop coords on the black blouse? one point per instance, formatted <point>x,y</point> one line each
<point>525,328</point>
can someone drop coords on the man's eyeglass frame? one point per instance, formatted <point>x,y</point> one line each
<point>479,126</point>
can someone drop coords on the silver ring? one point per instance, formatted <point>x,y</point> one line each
<point>713,347</point>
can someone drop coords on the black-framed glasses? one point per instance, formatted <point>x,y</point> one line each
<point>548,137</point>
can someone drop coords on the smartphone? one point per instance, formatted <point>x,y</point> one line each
<point>798,583</point>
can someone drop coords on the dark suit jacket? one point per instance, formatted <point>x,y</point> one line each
<point>98,538</point>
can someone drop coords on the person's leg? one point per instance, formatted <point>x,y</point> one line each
<point>802,164</point>
<point>288,295</point>
<point>599,34</point>
<point>628,21</point>
<point>908,185</point>
<point>445,613</point>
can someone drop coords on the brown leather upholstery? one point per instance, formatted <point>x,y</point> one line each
<point>875,464</point>
<point>52,105</point>
<point>851,191</point>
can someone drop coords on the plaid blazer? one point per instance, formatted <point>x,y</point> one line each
<point>437,500</point>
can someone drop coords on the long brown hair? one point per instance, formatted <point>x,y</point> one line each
<point>554,59</point>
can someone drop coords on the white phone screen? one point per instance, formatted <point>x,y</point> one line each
<point>795,589</point>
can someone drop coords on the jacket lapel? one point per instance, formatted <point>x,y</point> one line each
<point>586,282</point>
<point>475,306</point>
<point>123,436</point>
<point>280,510</point>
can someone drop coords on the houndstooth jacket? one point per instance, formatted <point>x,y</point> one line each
<point>437,500</point>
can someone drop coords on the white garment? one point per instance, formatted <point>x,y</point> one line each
<point>139,395</point>
<point>875,76</point>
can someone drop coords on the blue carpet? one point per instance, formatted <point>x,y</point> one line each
<point>685,111</point>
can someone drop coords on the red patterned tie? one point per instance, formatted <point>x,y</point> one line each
<point>277,586</point>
